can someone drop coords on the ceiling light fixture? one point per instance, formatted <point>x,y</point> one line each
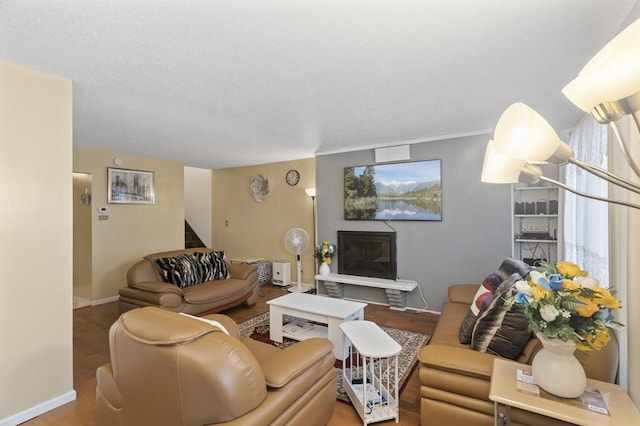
<point>608,88</point>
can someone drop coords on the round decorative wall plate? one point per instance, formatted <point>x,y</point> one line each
<point>293,177</point>
<point>259,188</point>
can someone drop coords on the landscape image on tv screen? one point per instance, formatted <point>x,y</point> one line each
<point>397,191</point>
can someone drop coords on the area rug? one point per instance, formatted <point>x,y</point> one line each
<point>257,328</point>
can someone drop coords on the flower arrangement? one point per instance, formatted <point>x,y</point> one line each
<point>324,252</point>
<point>562,302</point>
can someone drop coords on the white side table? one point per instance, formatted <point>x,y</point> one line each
<point>372,380</point>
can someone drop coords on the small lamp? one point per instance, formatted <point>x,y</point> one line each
<point>311,192</point>
<point>522,133</point>
<point>610,77</point>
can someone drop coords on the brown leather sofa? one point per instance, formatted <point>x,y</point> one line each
<point>455,379</point>
<point>172,369</point>
<point>146,287</point>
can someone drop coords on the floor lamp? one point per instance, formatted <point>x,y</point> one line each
<point>311,192</point>
<point>608,88</point>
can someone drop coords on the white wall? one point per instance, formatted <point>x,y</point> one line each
<point>36,359</point>
<point>197,201</point>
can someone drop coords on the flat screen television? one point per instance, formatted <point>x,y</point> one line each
<point>394,191</point>
<point>367,254</point>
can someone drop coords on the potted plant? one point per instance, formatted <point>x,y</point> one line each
<point>566,309</point>
<point>324,252</point>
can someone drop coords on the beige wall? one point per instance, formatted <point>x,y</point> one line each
<point>82,263</point>
<point>245,227</point>
<point>35,241</point>
<point>132,230</point>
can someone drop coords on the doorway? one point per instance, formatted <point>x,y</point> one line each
<point>82,253</point>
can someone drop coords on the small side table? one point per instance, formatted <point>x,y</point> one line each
<point>372,380</point>
<point>504,392</point>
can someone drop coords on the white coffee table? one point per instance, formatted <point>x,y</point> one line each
<point>323,310</point>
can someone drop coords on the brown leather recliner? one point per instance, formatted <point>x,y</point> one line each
<point>171,369</point>
<point>455,379</point>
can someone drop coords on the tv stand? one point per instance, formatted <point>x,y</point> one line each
<point>396,290</point>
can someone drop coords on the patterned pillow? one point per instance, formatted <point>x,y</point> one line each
<point>212,265</point>
<point>485,295</point>
<point>501,329</point>
<point>179,270</point>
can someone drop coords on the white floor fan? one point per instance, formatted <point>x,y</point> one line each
<point>296,240</point>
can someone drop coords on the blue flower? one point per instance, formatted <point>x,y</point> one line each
<point>553,283</point>
<point>522,299</point>
<point>604,314</point>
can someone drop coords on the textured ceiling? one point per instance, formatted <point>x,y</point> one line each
<point>222,83</point>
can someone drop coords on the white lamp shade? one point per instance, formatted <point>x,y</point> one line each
<point>500,168</point>
<point>611,75</point>
<point>311,192</point>
<point>523,133</point>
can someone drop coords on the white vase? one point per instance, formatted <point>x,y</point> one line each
<point>556,369</point>
<point>324,269</point>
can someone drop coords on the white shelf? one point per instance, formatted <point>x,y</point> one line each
<point>530,240</point>
<point>317,331</point>
<point>402,285</point>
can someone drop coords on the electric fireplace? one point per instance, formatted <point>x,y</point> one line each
<point>367,254</point>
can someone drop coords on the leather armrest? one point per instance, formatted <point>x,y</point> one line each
<point>227,323</point>
<point>462,361</point>
<point>291,362</point>
<point>157,287</point>
<point>462,293</point>
<point>241,271</point>
<point>108,386</point>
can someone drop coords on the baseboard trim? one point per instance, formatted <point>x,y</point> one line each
<point>39,409</point>
<point>103,301</point>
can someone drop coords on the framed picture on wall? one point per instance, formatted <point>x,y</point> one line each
<point>130,186</point>
<point>394,191</point>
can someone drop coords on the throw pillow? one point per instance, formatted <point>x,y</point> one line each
<point>178,270</point>
<point>501,329</point>
<point>485,295</point>
<point>213,265</point>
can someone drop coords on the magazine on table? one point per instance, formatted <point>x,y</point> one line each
<point>591,399</point>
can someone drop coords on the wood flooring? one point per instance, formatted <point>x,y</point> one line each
<point>91,350</point>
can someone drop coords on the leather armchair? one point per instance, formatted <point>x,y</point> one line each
<point>172,369</point>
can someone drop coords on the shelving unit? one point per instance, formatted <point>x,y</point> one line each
<point>536,227</point>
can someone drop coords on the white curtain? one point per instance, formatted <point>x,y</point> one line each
<point>625,267</point>
<point>585,222</point>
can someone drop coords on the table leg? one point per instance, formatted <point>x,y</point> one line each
<point>275,323</point>
<point>336,337</point>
